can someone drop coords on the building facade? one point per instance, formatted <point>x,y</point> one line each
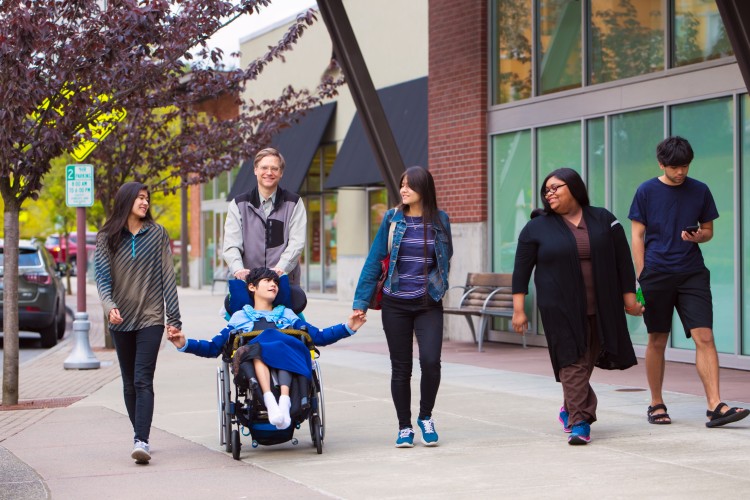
<point>594,85</point>
<point>515,89</point>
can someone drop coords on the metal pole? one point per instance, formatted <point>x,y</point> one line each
<point>735,15</point>
<point>81,357</point>
<point>377,129</point>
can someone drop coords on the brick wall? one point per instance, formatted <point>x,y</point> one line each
<point>457,94</point>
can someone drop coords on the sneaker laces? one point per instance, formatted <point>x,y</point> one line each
<point>405,433</point>
<point>428,425</point>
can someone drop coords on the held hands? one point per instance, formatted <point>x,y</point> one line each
<point>356,320</point>
<point>176,337</point>
<point>114,316</point>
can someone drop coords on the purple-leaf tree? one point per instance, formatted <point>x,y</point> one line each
<point>66,65</point>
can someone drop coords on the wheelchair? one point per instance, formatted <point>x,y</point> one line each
<point>241,410</point>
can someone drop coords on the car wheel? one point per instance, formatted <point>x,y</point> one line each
<point>60,324</point>
<point>49,335</point>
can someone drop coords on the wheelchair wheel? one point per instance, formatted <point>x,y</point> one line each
<point>223,395</point>
<point>320,409</point>
<point>236,444</point>
<point>317,430</point>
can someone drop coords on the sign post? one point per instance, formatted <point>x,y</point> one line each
<point>79,193</point>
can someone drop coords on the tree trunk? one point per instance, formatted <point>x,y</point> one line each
<point>10,303</point>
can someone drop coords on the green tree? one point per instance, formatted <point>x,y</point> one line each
<point>65,65</point>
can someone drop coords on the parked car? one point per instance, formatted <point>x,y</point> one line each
<point>58,247</point>
<point>41,294</point>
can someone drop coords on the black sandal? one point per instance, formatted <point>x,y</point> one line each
<point>717,419</point>
<point>658,418</point>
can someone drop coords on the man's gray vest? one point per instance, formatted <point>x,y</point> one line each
<point>264,240</point>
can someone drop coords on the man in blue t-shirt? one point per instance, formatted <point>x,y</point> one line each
<point>671,214</point>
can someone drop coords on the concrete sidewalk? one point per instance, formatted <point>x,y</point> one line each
<point>496,414</point>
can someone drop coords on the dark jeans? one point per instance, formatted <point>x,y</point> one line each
<point>137,351</point>
<point>402,319</point>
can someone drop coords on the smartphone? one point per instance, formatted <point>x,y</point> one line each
<point>691,229</point>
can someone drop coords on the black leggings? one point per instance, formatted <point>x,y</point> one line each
<point>402,319</point>
<point>137,351</point>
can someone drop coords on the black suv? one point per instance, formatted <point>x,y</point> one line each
<point>41,295</point>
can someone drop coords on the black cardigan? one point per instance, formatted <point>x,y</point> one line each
<point>548,244</point>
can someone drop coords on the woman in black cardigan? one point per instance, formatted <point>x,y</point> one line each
<point>585,282</point>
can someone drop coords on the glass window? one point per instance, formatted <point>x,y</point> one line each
<point>329,156</point>
<point>207,191</point>
<point>699,33</point>
<point>745,133</point>
<point>222,185</point>
<point>596,162</point>
<point>708,125</point>
<point>512,195</point>
<point>312,182</point>
<point>378,203</point>
<point>558,146</point>
<point>330,203</point>
<point>559,62</point>
<point>626,38</point>
<point>633,139</point>
<point>512,58</point>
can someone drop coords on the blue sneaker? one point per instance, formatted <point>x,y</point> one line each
<point>429,434</point>
<point>580,434</point>
<point>564,419</point>
<point>405,438</point>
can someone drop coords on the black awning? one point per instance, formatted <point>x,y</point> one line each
<point>405,107</point>
<point>297,144</point>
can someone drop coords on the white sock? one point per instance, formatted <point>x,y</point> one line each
<point>275,417</point>
<point>284,406</point>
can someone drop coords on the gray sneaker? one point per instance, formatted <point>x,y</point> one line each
<point>140,453</point>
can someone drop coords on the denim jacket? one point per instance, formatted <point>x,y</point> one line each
<point>437,281</point>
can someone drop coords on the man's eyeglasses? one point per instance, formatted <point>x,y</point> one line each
<point>275,170</point>
<point>552,189</point>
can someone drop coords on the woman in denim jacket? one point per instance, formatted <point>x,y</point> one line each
<point>412,296</point>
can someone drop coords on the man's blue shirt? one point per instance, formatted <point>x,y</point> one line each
<point>665,211</point>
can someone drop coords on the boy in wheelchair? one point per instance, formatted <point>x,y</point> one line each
<point>271,349</point>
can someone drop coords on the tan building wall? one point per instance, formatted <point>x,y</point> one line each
<point>393,38</point>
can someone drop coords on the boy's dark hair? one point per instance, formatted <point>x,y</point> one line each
<point>261,273</point>
<point>575,184</point>
<point>674,151</point>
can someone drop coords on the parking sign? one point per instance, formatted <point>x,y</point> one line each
<point>79,185</point>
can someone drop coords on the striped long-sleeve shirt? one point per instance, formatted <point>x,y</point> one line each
<point>138,279</point>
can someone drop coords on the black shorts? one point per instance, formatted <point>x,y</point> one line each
<point>689,293</point>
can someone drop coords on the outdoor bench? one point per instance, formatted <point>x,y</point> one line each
<point>486,295</point>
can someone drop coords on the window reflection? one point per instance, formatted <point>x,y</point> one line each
<point>513,50</point>
<point>560,45</point>
<point>699,33</point>
<point>626,38</point>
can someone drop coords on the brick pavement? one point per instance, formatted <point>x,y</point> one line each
<point>44,384</point>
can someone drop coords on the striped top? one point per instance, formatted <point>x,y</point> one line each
<point>411,260</point>
<point>138,279</point>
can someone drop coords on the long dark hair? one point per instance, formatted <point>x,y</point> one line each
<point>574,183</point>
<point>420,181</point>
<point>124,200</point>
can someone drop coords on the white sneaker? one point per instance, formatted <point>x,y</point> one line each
<point>140,453</point>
